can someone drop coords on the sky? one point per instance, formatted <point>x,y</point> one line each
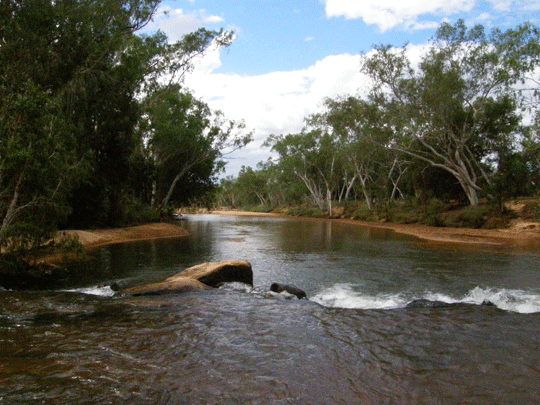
<point>289,55</point>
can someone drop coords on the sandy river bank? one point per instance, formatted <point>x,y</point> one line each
<point>521,233</point>
<point>101,237</point>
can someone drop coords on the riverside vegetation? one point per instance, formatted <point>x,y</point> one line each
<point>97,130</point>
<point>446,140</point>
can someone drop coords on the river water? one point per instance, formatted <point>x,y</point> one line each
<point>352,342</point>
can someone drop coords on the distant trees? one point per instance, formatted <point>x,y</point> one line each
<point>78,89</point>
<point>451,125</point>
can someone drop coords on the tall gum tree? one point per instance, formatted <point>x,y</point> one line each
<point>441,111</point>
<point>312,156</point>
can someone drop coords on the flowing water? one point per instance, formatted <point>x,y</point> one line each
<point>352,342</point>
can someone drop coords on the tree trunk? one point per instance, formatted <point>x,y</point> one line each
<point>315,193</point>
<point>367,196</point>
<point>10,213</point>
<point>471,193</point>
<point>167,198</point>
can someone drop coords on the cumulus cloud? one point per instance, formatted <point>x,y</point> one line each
<point>213,19</point>
<point>277,102</point>
<point>391,13</point>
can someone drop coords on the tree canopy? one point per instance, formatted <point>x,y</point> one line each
<point>78,86</point>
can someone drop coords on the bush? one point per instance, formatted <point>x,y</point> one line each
<point>257,208</point>
<point>136,213</point>
<point>468,217</point>
<point>363,213</point>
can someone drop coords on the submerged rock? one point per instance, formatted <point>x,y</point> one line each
<point>279,288</point>
<point>424,303</point>
<point>213,274</point>
<point>20,275</point>
<point>176,286</point>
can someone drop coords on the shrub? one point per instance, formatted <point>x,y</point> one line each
<point>467,217</point>
<point>363,213</point>
<point>137,213</point>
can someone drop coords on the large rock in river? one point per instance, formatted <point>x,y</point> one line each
<point>213,274</point>
<point>176,286</point>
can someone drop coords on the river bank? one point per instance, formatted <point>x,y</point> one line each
<point>520,233</point>
<point>49,270</point>
<point>100,237</point>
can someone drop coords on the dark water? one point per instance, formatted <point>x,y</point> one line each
<point>353,342</point>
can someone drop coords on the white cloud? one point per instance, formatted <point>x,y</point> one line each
<point>515,5</point>
<point>213,19</point>
<point>484,17</point>
<point>176,23</point>
<point>273,103</point>
<point>391,13</point>
<point>425,25</point>
<point>278,102</point>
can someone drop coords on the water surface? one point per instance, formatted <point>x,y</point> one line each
<point>352,342</point>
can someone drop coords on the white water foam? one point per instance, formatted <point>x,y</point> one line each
<point>102,291</point>
<point>345,296</point>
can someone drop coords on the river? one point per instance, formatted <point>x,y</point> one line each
<point>352,342</point>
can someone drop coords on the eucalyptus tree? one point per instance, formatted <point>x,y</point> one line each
<point>182,133</point>
<point>254,184</point>
<point>458,107</point>
<point>359,128</point>
<point>312,156</point>
<point>136,77</point>
<point>227,193</point>
<point>72,76</point>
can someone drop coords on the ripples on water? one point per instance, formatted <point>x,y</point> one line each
<point>244,345</point>
<point>236,347</point>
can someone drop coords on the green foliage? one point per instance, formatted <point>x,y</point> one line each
<point>257,208</point>
<point>135,212</point>
<point>467,217</point>
<point>185,141</point>
<point>427,138</point>
<point>72,146</point>
<point>458,109</point>
<point>364,213</point>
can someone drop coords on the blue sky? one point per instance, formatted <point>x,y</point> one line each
<point>289,55</point>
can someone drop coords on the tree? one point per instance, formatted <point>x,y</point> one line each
<point>50,53</point>
<point>37,169</point>
<point>362,135</point>
<point>72,76</point>
<point>136,69</point>
<point>183,133</point>
<point>253,183</point>
<point>312,156</point>
<point>459,103</point>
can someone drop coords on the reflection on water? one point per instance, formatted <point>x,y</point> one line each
<point>236,346</point>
